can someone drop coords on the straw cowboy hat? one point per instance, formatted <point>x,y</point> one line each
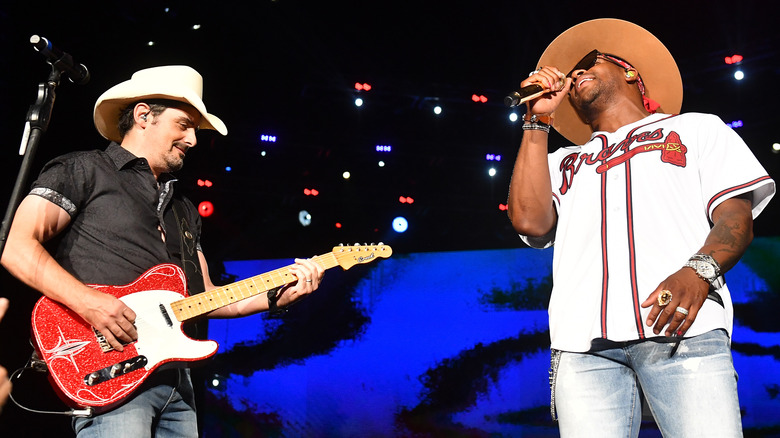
<point>174,82</point>
<point>640,48</point>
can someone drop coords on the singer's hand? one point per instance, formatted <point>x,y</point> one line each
<point>551,79</point>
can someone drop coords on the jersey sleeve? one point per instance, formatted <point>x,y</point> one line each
<point>728,168</point>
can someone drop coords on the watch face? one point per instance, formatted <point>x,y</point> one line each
<point>705,269</point>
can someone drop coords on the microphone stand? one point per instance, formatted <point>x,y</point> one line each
<point>37,122</point>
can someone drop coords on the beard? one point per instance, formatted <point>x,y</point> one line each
<point>595,98</point>
<point>174,164</point>
<point>173,161</point>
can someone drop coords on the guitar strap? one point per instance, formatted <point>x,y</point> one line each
<point>191,265</point>
<point>189,252</point>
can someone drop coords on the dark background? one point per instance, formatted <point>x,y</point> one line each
<point>287,68</point>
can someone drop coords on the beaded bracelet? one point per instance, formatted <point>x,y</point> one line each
<point>530,126</point>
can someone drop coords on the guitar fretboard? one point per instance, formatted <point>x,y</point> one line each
<point>205,302</point>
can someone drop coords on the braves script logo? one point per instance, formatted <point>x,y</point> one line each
<point>671,148</point>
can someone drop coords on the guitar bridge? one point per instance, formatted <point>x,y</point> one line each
<point>116,370</point>
<point>101,340</point>
<point>104,345</point>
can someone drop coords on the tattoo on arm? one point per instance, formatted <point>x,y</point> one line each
<point>732,232</point>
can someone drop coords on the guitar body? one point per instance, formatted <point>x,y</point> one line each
<point>86,372</point>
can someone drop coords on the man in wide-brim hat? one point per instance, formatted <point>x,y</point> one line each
<point>117,215</point>
<point>646,212</point>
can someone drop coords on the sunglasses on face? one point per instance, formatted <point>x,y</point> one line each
<point>589,60</point>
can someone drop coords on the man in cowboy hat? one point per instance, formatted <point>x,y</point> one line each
<point>115,214</point>
<point>646,212</point>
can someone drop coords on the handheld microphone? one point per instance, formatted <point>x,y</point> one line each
<point>77,73</point>
<point>524,94</point>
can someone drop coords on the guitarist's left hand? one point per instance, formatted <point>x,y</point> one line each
<point>309,274</point>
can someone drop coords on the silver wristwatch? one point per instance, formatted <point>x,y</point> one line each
<point>705,267</point>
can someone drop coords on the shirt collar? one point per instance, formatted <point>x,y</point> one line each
<point>123,158</point>
<point>119,155</point>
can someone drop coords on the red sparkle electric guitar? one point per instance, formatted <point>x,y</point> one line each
<point>87,372</point>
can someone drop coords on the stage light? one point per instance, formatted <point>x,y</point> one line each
<point>735,59</point>
<point>311,192</point>
<point>338,225</point>
<point>384,148</point>
<point>362,87</point>
<point>479,98</point>
<point>205,208</point>
<point>776,148</point>
<point>195,26</point>
<point>228,168</point>
<point>492,171</point>
<point>346,175</point>
<point>739,75</point>
<point>218,382</point>
<point>150,43</point>
<point>502,207</point>
<point>493,157</point>
<point>437,109</point>
<point>735,124</point>
<point>358,102</point>
<point>204,183</point>
<point>400,224</point>
<point>268,138</point>
<point>513,117</point>
<point>381,163</point>
<point>405,200</point>
<point>304,217</point>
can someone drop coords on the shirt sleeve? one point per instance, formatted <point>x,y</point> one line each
<point>728,168</point>
<point>63,181</point>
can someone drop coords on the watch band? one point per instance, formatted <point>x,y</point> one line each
<point>709,259</point>
<point>694,263</point>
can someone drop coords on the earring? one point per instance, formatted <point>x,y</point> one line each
<point>630,74</point>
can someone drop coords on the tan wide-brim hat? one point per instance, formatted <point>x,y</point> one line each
<point>174,82</point>
<point>626,40</point>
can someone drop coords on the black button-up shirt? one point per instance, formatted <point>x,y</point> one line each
<point>116,209</point>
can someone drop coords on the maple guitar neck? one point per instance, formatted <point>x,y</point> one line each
<point>199,304</point>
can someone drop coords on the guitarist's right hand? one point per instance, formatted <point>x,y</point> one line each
<point>111,317</point>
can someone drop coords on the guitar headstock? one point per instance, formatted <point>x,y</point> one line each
<point>349,256</point>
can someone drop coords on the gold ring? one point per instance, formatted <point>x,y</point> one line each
<point>665,297</point>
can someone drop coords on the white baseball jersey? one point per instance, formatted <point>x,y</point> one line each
<point>633,206</point>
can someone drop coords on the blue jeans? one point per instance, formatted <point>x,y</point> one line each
<point>692,393</point>
<point>164,410</point>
